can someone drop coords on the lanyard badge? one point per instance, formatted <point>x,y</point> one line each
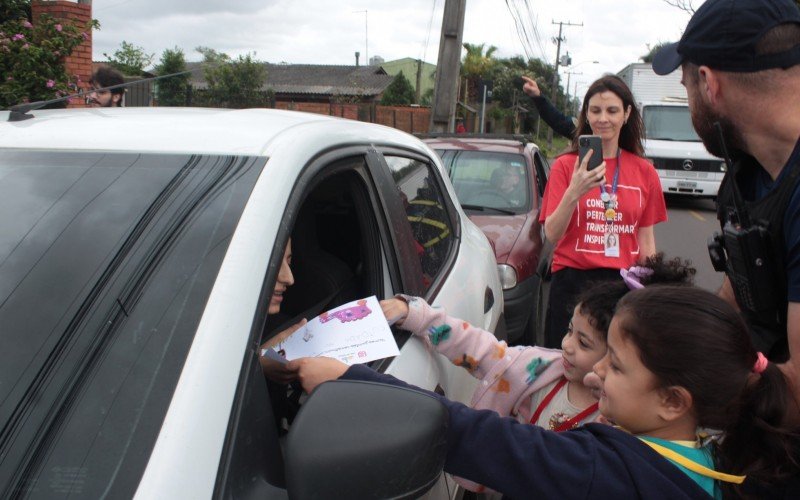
<point>609,199</point>
<point>611,205</point>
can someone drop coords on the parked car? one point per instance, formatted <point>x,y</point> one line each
<point>139,250</point>
<point>500,181</point>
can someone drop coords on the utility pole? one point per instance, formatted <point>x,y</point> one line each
<point>447,68</point>
<point>483,108</point>
<point>567,105</point>
<point>366,34</point>
<point>554,89</point>
<point>418,93</point>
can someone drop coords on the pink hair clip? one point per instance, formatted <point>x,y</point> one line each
<point>632,277</point>
<point>760,364</point>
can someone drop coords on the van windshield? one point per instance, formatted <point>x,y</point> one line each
<point>669,123</point>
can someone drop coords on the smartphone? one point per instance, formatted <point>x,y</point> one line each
<point>593,143</point>
<point>518,82</point>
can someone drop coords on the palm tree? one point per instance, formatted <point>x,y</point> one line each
<point>476,65</point>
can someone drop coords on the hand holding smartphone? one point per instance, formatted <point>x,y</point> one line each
<point>592,143</point>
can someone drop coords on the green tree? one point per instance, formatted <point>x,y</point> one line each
<point>172,91</point>
<point>32,56</point>
<point>233,83</point>
<point>477,64</point>
<point>507,91</point>
<point>652,51</point>
<point>399,92</point>
<point>130,59</point>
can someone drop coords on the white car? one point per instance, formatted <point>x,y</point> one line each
<point>138,252</point>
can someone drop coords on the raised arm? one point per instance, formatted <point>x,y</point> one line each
<point>464,344</point>
<point>559,122</point>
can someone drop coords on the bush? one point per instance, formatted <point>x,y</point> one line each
<point>32,59</point>
<point>233,83</point>
<point>172,91</point>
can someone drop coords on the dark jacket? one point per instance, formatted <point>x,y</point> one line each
<point>766,315</point>
<point>560,123</point>
<point>526,461</point>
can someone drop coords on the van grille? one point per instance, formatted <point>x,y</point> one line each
<point>697,166</point>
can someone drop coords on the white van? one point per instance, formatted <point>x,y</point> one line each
<point>684,165</point>
<point>682,162</point>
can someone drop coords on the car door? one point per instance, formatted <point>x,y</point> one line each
<point>397,258</point>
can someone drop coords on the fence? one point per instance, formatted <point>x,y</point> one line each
<point>411,119</point>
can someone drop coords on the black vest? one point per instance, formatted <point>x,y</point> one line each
<point>769,334</point>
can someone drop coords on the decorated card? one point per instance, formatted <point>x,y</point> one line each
<point>356,332</point>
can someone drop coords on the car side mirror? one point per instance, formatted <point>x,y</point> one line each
<point>357,439</point>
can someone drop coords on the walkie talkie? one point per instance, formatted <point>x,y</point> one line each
<point>743,251</point>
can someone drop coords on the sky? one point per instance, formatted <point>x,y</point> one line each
<point>614,33</point>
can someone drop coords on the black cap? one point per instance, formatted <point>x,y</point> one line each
<point>723,34</point>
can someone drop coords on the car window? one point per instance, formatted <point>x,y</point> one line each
<point>486,179</point>
<point>106,263</point>
<point>426,213</point>
<point>542,171</point>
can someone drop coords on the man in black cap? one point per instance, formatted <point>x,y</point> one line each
<point>741,69</point>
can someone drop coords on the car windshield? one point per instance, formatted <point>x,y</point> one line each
<point>491,180</point>
<point>669,123</point>
<point>106,263</point>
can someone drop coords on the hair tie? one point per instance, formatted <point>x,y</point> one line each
<point>761,363</point>
<point>632,277</point>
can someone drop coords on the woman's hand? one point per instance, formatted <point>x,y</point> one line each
<point>313,371</point>
<point>395,310</point>
<point>275,370</point>
<point>583,180</point>
<point>530,87</point>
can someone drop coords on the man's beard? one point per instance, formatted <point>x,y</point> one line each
<point>703,119</point>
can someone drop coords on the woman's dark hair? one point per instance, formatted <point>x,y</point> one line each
<point>599,301</point>
<point>632,132</point>
<point>691,338</point>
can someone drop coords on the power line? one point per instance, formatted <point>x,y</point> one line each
<point>522,32</point>
<point>526,24</point>
<point>534,20</point>
<point>428,33</point>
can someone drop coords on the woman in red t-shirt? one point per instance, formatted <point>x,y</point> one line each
<point>601,220</point>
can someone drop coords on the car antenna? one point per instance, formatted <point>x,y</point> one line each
<point>19,112</point>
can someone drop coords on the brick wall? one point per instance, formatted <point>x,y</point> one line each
<point>79,63</point>
<point>406,118</point>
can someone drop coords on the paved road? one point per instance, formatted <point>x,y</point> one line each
<point>686,233</point>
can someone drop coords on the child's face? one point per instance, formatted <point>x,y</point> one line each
<point>629,394</point>
<point>583,346</point>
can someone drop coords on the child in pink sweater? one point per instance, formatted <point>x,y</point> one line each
<point>533,384</point>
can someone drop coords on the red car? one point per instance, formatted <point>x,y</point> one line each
<point>499,181</point>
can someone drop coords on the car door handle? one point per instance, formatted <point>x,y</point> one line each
<point>488,300</point>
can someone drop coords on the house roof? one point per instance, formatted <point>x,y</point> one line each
<point>316,79</point>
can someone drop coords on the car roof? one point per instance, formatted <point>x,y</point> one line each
<point>502,144</point>
<point>184,130</point>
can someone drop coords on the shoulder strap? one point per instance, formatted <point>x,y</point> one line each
<point>692,465</point>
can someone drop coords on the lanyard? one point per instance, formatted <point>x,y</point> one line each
<point>692,465</point>
<point>569,424</point>
<point>604,196</point>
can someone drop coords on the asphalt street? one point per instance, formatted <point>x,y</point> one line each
<point>691,222</point>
